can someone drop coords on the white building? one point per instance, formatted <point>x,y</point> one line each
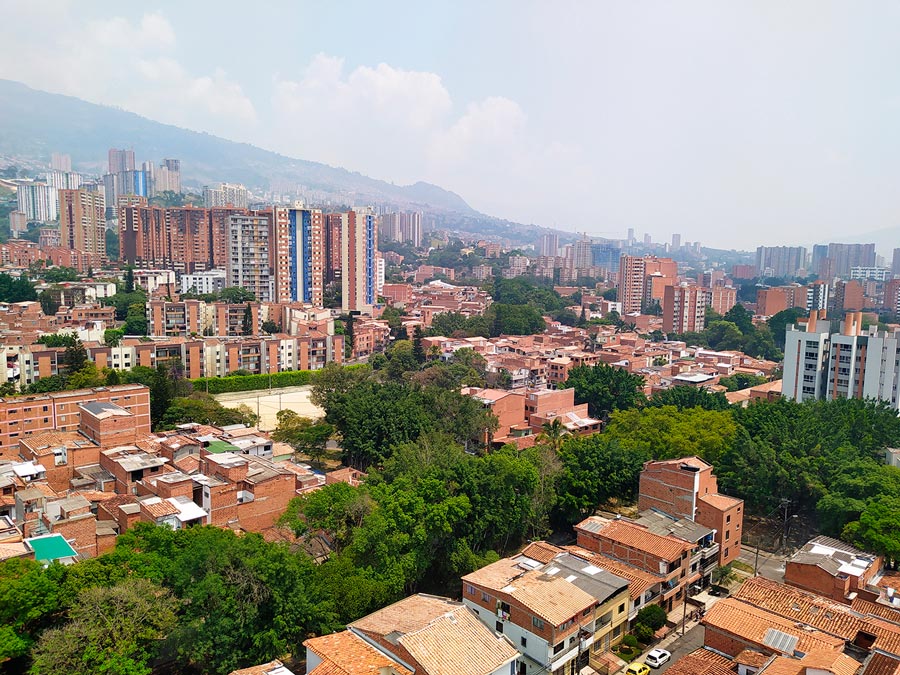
<point>38,201</point>
<point>248,255</point>
<point>226,194</point>
<point>852,363</point>
<point>204,283</point>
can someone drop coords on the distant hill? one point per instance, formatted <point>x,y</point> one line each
<point>34,124</point>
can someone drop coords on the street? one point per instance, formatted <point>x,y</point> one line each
<point>771,565</point>
<point>685,644</point>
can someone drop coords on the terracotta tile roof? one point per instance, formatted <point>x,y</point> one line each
<point>271,668</point>
<point>751,657</point>
<point>882,664</point>
<point>347,654</point>
<point>188,464</point>
<point>639,581</point>
<point>878,609</point>
<point>720,501</point>
<point>750,623</point>
<point>541,551</point>
<point>14,549</point>
<point>407,615</point>
<point>819,612</point>
<point>702,662</point>
<point>825,662</point>
<point>458,643</point>
<point>639,538</point>
<point>551,598</point>
<point>159,509</point>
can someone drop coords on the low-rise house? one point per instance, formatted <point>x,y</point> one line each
<point>562,615</point>
<point>832,568</point>
<point>665,555</point>
<point>419,635</point>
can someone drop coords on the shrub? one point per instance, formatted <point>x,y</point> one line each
<point>653,616</point>
<point>643,633</point>
<point>630,641</point>
<point>240,382</point>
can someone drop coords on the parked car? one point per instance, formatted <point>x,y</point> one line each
<point>657,657</point>
<point>637,669</point>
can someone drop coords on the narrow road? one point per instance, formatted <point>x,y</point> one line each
<point>691,640</point>
<point>770,565</point>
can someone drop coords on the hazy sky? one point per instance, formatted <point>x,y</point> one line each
<point>733,123</point>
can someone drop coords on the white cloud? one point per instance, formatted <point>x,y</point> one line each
<point>400,125</point>
<point>129,64</point>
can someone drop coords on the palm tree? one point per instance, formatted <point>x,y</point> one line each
<point>552,433</point>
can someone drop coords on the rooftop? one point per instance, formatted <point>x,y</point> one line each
<point>635,536</point>
<point>104,410</point>
<point>50,547</point>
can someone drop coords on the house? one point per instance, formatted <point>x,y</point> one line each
<point>50,548</point>
<point>665,555</point>
<point>275,667</point>
<point>832,568</point>
<point>687,488</point>
<point>561,614</point>
<point>419,635</point>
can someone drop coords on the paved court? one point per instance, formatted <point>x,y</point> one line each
<point>267,403</point>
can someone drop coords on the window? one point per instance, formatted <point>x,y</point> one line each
<point>726,553</point>
<point>727,535</point>
<point>499,626</point>
<point>621,608</point>
<point>537,623</point>
<point>728,518</point>
<point>523,641</point>
<point>470,589</point>
<point>485,597</point>
<point>558,648</point>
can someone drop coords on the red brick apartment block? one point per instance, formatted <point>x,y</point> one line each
<point>61,411</point>
<point>687,488</point>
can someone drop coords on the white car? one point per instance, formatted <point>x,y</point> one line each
<point>656,657</point>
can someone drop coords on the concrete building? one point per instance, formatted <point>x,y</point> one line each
<point>38,201</point>
<point>663,555</point>
<point>421,634</point>
<point>60,411</point>
<point>684,308</point>
<point>82,223</point>
<point>359,234</point>
<point>548,244</point>
<point>297,255</point>
<point>781,261</point>
<point>60,162</point>
<point>226,195</point>
<point>562,614</point>
<point>852,363</point>
<point>18,223</point>
<point>248,264</point>
<point>203,283</point>
<point>643,279</point>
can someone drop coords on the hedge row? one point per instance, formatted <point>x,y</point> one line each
<point>232,383</point>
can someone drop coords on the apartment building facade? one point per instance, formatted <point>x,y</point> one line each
<point>359,236</point>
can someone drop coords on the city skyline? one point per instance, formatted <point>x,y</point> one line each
<point>733,126</point>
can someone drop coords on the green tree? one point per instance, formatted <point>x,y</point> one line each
<point>270,327</point>
<point>688,397</point>
<point>740,381</point>
<point>552,434</point>
<point>129,280</point>
<point>349,338</point>
<point>740,317</point>
<point>418,352</point>
<point>16,289</point>
<point>117,629</point>
<point>49,306</point>
<point>653,616</point>
<point>605,388</point>
<point>303,434</point>
<point>57,275</point>
<point>75,357</point>
<point>667,433</point>
<point>724,335</point>
<point>247,321</point>
<point>778,323</point>
<point>235,295</point>
<point>878,527</point>
<point>595,469</point>
<point>113,336</point>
